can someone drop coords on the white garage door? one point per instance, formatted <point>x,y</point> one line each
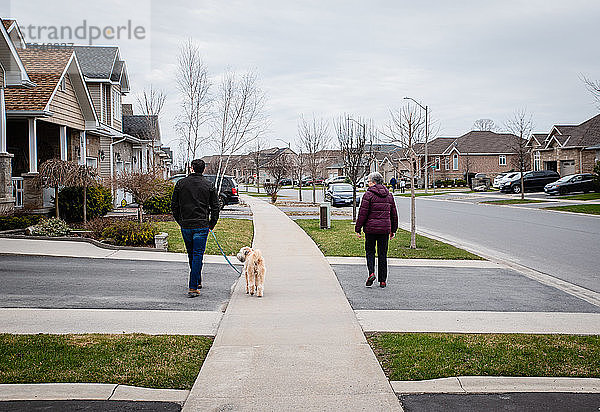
<point>567,167</point>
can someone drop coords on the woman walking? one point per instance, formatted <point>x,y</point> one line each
<point>378,218</point>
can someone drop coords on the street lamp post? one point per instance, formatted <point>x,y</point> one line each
<point>426,108</point>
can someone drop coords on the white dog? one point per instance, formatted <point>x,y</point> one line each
<point>254,270</point>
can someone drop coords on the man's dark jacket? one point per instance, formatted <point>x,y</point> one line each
<point>195,204</point>
<point>377,213</point>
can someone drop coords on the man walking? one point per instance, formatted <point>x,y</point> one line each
<point>393,183</point>
<point>195,207</point>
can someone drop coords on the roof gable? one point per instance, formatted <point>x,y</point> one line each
<point>15,71</point>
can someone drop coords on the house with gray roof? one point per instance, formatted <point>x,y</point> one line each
<point>567,149</point>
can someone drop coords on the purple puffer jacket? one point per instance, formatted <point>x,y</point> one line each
<point>377,214</point>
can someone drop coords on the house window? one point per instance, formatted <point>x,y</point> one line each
<point>455,161</point>
<point>63,85</point>
<point>437,163</point>
<point>446,163</point>
<point>502,160</point>
<point>91,162</point>
<point>537,161</point>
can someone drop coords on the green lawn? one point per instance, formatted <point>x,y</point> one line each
<point>583,196</point>
<point>341,240</point>
<point>140,360</point>
<point>418,356</point>
<point>591,209</point>
<point>513,201</point>
<point>232,234</point>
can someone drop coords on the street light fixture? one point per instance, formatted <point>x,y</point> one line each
<point>426,108</point>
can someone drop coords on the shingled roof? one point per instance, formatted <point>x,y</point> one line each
<point>478,141</point>
<point>97,62</point>
<point>141,126</point>
<point>45,68</point>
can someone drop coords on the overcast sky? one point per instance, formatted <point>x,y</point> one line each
<point>464,59</point>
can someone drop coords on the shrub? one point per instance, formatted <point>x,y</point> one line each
<point>161,204</point>
<point>461,182</point>
<point>97,226</point>
<point>70,202</point>
<point>130,233</point>
<point>18,221</point>
<point>51,227</point>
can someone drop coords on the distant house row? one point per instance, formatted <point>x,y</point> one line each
<point>565,149</point>
<point>66,102</point>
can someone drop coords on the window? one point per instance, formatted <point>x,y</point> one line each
<point>537,163</point>
<point>91,162</point>
<point>63,85</point>
<point>455,161</point>
<point>502,160</point>
<point>437,163</point>
<point>446,163</point>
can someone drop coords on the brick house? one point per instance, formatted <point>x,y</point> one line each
<point>567,149</point>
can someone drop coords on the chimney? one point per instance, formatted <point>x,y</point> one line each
<point>127,109</point>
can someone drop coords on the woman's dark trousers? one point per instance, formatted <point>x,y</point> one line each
<point>382,247</point>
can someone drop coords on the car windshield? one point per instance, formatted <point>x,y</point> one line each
<point>512,175</point>
<point>342,188</point>
<point>565,178</point>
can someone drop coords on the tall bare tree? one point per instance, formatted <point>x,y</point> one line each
<point>299,165</point>
<point>150,103</point>
<point>55,173</point>
<point>194,87</point>
<point>355,136</point>
<point>485,125</point>
<point>84,177</point>
<point>258,146</point>
<point>313,137</point>
<point>239,117</point>
<point>406,128</point>
<point>593,86</point>
<point>142,186</point>
<point>521,125</point>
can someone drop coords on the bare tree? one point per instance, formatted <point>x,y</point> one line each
<point>142,186</point>
<point>465,160</point>
<point>593,86</point>
<point>299,165</point>
<point>406,128</point>
<point>256,156</point>
<point>485,125</point>
<point>55,173</point>
<point>354,137</point>
<point>239,117</point>
<point>313,138</point>
<point>194,87</point>
<point>279,167</point>
<point>521,125</point>
<point>84,177</point>
<point>150,103</point>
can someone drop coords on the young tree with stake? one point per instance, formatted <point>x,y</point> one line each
<point>313,137</point>
<point>521,125</point>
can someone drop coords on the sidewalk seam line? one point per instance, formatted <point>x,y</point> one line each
<point>113,391</point>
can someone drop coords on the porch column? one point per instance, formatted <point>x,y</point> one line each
<point>2,123</point>
<point>33,158</point>
<point>82,148</point>
<point>63,142</point>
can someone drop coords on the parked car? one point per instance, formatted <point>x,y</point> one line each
<point>176,178</point>
<point>229,190</point>
<point>285,182</point>
<point>337,179</point>
<point>340,194</point>
<point>506,178</point>
<point>582,182</point>
<point>362,182</point>
<point>532,181</point>
<point>308,181</point>
<point>498,179</point>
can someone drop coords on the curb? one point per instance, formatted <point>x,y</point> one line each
<point>79,239</point>
<point>88,391</point>
<point>497,384</point>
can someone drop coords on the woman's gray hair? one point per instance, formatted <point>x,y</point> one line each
<point>376,178</point>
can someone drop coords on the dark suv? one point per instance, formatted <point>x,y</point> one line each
<point>229,191</point>
<point>532,181</point>
<point>583,182</point>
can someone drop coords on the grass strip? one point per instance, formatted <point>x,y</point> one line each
<point>590,209</point>
<point>419,356</point>
<point>341,240</point>
<point>513,201</point>
<point>584,196</point>
<point>232,235</point>
<point>163,361</point>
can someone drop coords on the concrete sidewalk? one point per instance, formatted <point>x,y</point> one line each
<point>300,347</point>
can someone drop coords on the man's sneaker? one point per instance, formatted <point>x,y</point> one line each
<point>370,280</point>
<point>192,293</point>
<point>382,284</point>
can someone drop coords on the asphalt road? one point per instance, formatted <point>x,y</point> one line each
<point>443,288</point>
<point>563,245</point>
<point>521,402</point>
<point>57,282</point>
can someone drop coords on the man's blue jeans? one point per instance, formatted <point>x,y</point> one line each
<point>195,244</point>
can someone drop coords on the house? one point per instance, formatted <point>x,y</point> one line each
<point>382,158</point>
<point>48,120</point>
<point>13,75</point>
<point>146,129</point>
<point>567,149</point>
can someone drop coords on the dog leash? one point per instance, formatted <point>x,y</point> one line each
<point>224,255</point>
